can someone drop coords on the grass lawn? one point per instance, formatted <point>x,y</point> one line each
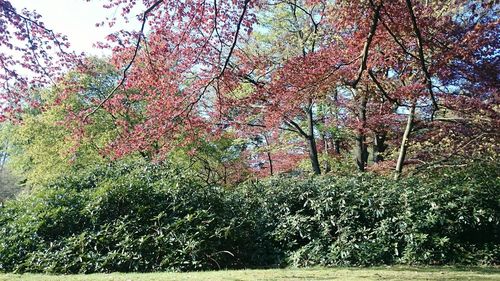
<point>379,273</point>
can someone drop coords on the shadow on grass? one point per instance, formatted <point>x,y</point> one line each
<point>471,269</point>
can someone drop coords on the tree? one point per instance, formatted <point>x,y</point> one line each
<point>31,56</point>
<point>277,100</point>
<point>49,142</point>
<point>206,69</point>
<point>215,161</point>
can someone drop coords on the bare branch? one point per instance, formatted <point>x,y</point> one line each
<point>400,43</point>
<point>35,56</point>
<point>236,35</point>
<point>49,31</point>
<point>421,56</point>
<point>293,124</point>
<point>379,86</point>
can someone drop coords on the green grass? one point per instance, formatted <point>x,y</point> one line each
<point>348,274</point>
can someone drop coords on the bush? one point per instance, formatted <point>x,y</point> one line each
<point>30,224</point>
<point>146,218</point>
<point>451,218</point>
<point>142,217</point>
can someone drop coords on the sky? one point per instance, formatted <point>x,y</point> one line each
<point>76,19</point>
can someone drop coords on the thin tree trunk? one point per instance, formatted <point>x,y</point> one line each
<point>313,150</point>
<point>375,152</point>
<point>270,164</point>
<point>225,175</point>
<point>361,148</point>
<point>269,158</point>
<point>404,142</point>
<point>336,146</point>
<point>3,155</point>
<point>335,140</point>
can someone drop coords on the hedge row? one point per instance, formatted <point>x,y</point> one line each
<point>148,218</point>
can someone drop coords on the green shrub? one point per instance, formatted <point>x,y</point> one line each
<point>448,218</point>
<point>143,217</point>
<point>30,224</point>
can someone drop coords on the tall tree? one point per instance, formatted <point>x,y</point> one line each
<point>206,68</point>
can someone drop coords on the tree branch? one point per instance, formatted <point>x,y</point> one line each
<point>421,56</point>
<point>379,86</point>
<point>136,50</point>
<point>26,19</point>
<point>236,35</point>
<point>366,47</point>
<point>292,123</point>
<point>400,43</point>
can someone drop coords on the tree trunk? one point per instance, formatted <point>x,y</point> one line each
<point>313,150</point>
<point>336,146</point>
<point>326,143</point>
<point>313,155</point>
<point>361,147</point>
<point>225,175</point>
<point>404,142</point>
<point>269,158</point>
<point>3,158</point>
<point>270,163</point>
<point>335,140</point>
<point>3,155</point>
<point>379,146</point>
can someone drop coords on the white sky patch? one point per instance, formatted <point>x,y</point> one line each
<point>77,18</point>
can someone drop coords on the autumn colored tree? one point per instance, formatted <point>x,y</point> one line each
<point>284,74</point>
<point>31,56</point>
<point>468,65</point>
<point>285,49</point>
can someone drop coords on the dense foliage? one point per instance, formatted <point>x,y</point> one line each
<point>252,133</point>
<point>406,82</point>
<point>367,220</point>
<point>130,217</point>
<point>127,219</point>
